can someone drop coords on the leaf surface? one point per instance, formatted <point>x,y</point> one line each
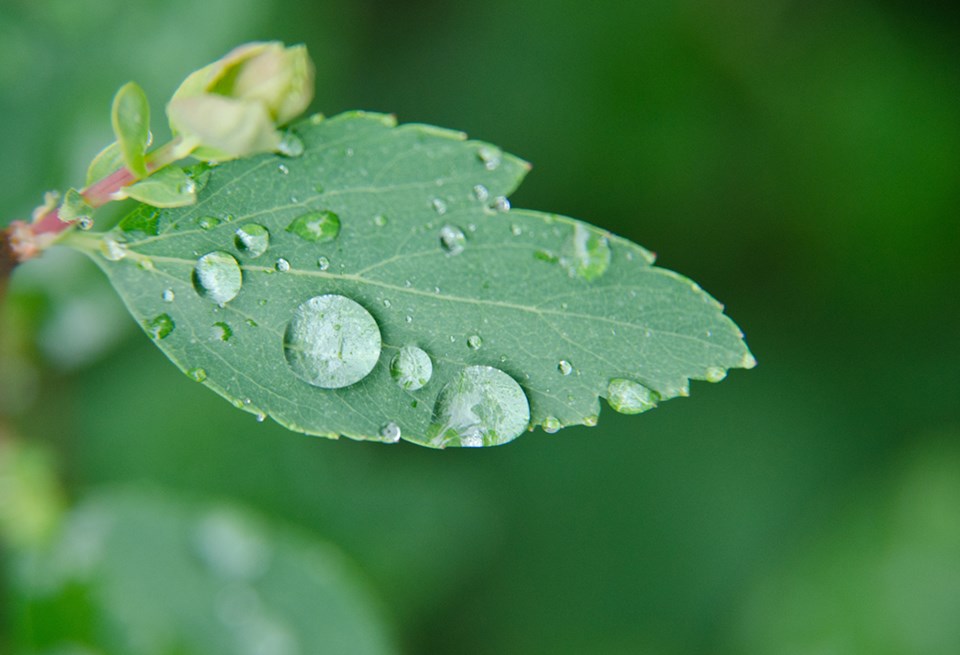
<point>411,227</point>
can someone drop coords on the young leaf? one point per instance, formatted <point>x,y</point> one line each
<point>131,125</point>
<point>107,161</point>
<point>167,187</point>
<point>380,287</point>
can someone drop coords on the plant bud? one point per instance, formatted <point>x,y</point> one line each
<point>232,107</point>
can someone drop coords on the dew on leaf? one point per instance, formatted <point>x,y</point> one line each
<point>159,327</point>
<point>252,239</point>
<point>390,432</point>
<point>490,156</point>
<point>439,206</point>
<point>480,406</point>
<point>316,227</point>
<point>222,331</point>
<point>282,169</point>
<point>282,265</point>
<point>565,367</point>
<point>167,295</point>
<point>551,425</point>
<point>411,368</point>
<point>501,204</point>
<point>112,248</point>
<point>291,145</point>
<point>452,239</point>
<point>331,342</point>
<point>516,230</point>
<point>208,222</point>
<point>197,374</point>
<point>474,342</point>
<point>590,421</point>
<point>323,263</point>
<point>481,192</point>
<point>629,397</point>
<point>585,254</point>
<point>715,373</point>
<point>217,277</point>
<point>379,220</point>
<point>85,223</point>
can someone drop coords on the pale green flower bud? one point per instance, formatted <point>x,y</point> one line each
<point>232,107</point>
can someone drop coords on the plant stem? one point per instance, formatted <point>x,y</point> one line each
<point>22,240</point>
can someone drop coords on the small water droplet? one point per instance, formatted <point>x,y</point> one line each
<point>436,290</point>
<point>452,239</point>
<point>379,220</point>
<point>481,192</point>
<point>316,227</point>
<point>331,342</point>
<point>590,421</point>
<point>261,417</point>
<point>387,303</point>
<point>291,145</point>
<point>323,263</point>
<point>282,168</point>
<point>159,327</point>
<point>480,406</point>
<point>748,361</point>
<point>409,319</point>
<point>282,265</point>
<point>586,253</point>
<point>252,240</point>
<point>629,397</point>
<point>112,248</point>
<point>222,331</point>
<point>217,276</point>
<point>390,433</point>
<point>145,264</point>
<point>474,342</point>
<point>501,204</point>
<point>490,156</point>
<point>411,368</point>
<point>565,367</point>
<point>715,373</point>
<point>167,295</point>
<point>85,223</point>
<point>516,230</point>
<point>551,425</point>
<point>197,374</point>
<point>439,206</point>
<point>250,322</point>
<point>208,222</point>
<point>319,188</point>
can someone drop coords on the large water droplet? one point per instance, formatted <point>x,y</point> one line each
<point>452,239</point>
<point>252,240</point>
<point>159,327</point>
<point>480,406</point>
<point>217,276</point>
<point>586,253</point>
<point>411,368</point>
<point>390,432</point>
<point>332,342</point>
<point>316,227</point>
<point>629,397</point>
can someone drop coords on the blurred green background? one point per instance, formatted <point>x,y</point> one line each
<point>799,159</point>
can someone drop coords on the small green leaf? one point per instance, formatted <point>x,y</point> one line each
<point>131,125</point>
<point>167,187</point>
<point>74,206</point>
<point>428,310</point>
<point>107,161</point>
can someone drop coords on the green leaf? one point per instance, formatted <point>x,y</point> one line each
<point>107,161</point>
<point>135,572</point>
<point>131,125</point>
<point>526,318</point>
<point>167,187</point>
